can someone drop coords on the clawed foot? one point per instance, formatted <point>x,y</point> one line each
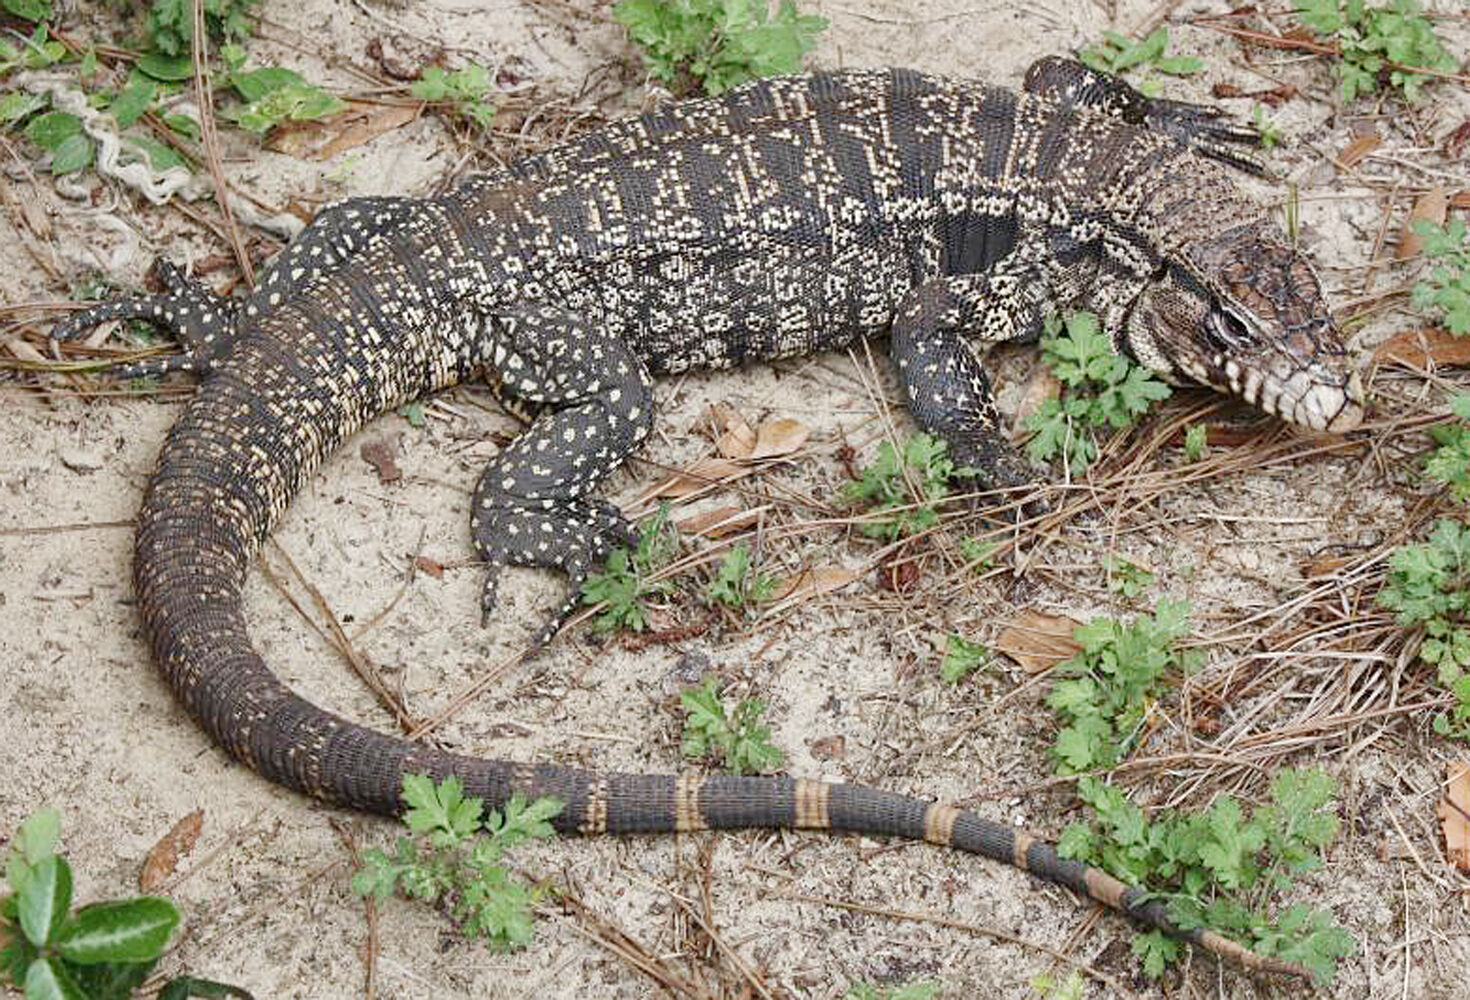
<point>200,319</point>
<point>575,538</point>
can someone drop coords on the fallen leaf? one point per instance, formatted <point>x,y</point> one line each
<point>782,436</point>
<point>719,522</point>
<point>1433,205</point>
<point>699,476</point>
<point>1361,146</point>
<point>899,573</point>
<point>1041,386</point>
<point>733,436</point>
<point>381,454</point>
<point>1324,566</point>
<point>1454,814</point>
<point>325,138</point>
<point>811,583</point>
<point>430,566</point>
<point>164,857</point>
<point>1038,641</point>
<point>1455,142</point>
<point>1421,349</point>
<point>828,747</point>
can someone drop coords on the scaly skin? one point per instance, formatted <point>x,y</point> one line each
<point>788,217</point>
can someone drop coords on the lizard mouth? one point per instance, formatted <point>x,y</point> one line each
<point>1304,391</point>
<point>1309,396</point>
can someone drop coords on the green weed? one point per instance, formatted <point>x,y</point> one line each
<point>714,45</point>
<point>1126,578</point>
<point>1100,389</point>
<point>922,990</point>
<point>623,583</point>
<point>735,585</point>
<point>925,463</point>
<point>1447,285</point>
<point>102,951</point>
<point>1112,682</point>
<point>1219,868</point>
<point>466,92</point>
<point>737,738</point>
<point>961,657</point>
<point>1374,42</point>
<point>453,858</point>
<point>169,25</point>
<point>1117,54</point>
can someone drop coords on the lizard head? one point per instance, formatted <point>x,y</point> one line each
<point>1243,313</point>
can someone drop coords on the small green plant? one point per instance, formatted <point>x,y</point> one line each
<point>35,52</point>
<point>1100,388</point>
<point>921,990</point>
<point>1117,54</point>
<point>102,951</point>
<point>1377,42</point>
<point>1449,465</point>
<point>623,583</point>
<point>1447,285</point>
<point>30,10</point>
<point>1049,988</point>
<point>273,95</point>
<point>1428,585</point>
<point>466,92</point>
<point>1266,127</point>
<point>714,45</point>
<point>453,858</point>
<point>1196,436</point>
<point>978,551</point>
<point>169,25</point>
<point>737,738</point>
<point>925,463</point>
<point>735,585</point>
<point>1126,578</point>
<point>961,657</point>
<point>1220,868</point>
<point>1109,686</point>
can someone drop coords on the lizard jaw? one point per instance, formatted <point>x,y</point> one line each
<point>1308,397</point>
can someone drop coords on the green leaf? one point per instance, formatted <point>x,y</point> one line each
<point>53,128</point>
<point>169,69</point>
<point>254,84</point>
<point>160,157</point>
<point>30,10</point>
<point>44,900</point>
<point>961,656</point>
<point>18,105</point>
<point>48,979</point>
<point>183,987</point>
<point>128,930</point>
<point>128,106</point>
<point>74,153</point>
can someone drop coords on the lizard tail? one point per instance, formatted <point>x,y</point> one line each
<point>240,452</point>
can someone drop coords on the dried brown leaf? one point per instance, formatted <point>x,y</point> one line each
<point>1433,206</point>
<point>1038,641</point>
<point>781,436</point>
<point>1041,386</point>
<point>828,747</point>
<point>430,566</point>
<point>811,583</point>
<point>164,857</point>
<point>1454,814</point>
<point>699,475</point>
<point>1361,146</point>
<point>381,453</point>
<point>719,522</point>
<point>1421,349</point>
<point>347,129</point>
<point>733,436</point>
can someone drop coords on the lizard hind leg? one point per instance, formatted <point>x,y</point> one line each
<point>531,506</point>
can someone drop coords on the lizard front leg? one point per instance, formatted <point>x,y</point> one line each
<point>946,385</point>
<point>531,507</point>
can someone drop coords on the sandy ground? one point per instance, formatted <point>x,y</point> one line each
<point>86,725</point>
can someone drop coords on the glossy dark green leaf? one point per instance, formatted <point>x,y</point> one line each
<point>128,930</point>
<point>167,68</point>
<point>47,979</point>
<point>45,899</point>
